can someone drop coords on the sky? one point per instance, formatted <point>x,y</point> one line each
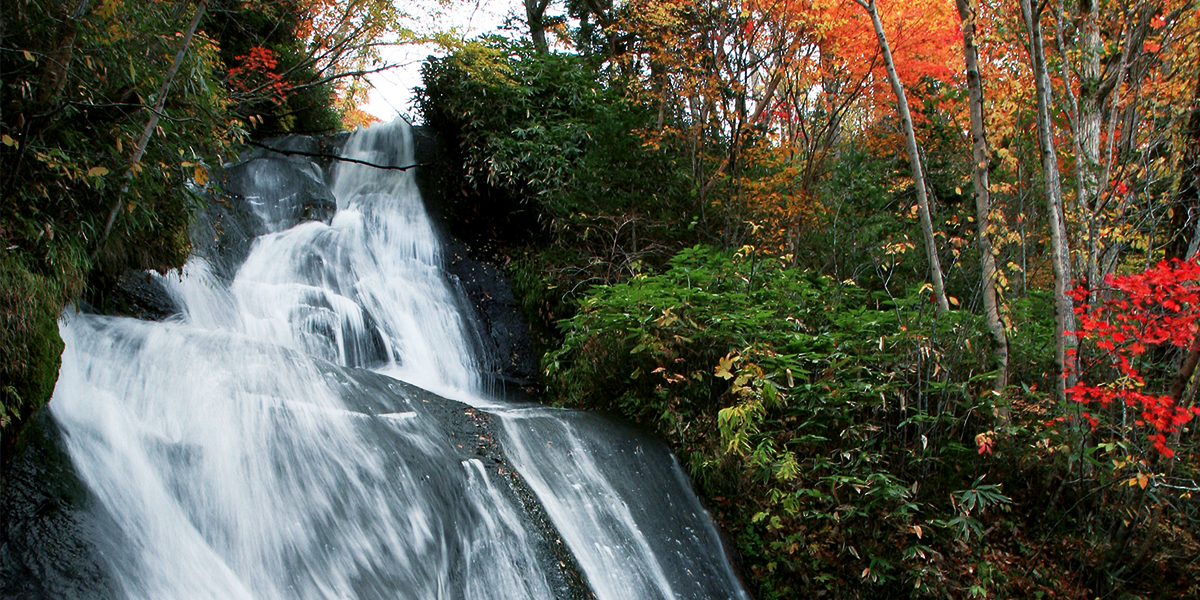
<point>392,95</point>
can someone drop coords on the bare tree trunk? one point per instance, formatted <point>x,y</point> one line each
<point>151,124</point>
<point>1091,106</point>
<point>914,158</point>
<point>1064,310</point>
<point>983,199</point>
<point>1186,209</point>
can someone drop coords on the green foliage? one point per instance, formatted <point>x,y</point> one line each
<point>29,341</point>
<point>554,177</point>
<point>862,231</point>
<point>80,82</point>
<point>822,428</point>
<point>551,142</point>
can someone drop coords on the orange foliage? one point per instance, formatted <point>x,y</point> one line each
<point>924,35</point>
<point>797,70</point>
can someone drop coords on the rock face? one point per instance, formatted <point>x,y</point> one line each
<point>504,332</point>
<point>52,531</point>
<point>266,191</point>
<point>57,543</point>
<point>276,185</point>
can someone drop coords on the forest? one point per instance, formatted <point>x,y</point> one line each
<point>910,288</point>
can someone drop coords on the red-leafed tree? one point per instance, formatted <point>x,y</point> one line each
<point>1159,307</point>
<point>256,74</point>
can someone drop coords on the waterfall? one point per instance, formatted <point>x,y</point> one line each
<point>314,426</point>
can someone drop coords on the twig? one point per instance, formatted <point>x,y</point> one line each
<point>334,157</point>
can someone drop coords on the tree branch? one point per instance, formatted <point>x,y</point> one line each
<point>334,157</point>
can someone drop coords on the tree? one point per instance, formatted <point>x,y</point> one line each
<point>983,199</point>
<point>1156,307</point>
<point>535,17</point>
<point>151,123</point>
<point>914,157</point>
<point>1060,256</point>
<point>286,60</point>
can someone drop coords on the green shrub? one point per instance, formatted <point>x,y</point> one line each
<point>827,433</point>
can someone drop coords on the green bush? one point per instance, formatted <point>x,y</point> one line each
<point>827,433</point>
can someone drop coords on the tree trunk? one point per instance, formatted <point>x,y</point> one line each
<point>1064,310</point>
<point>535,16</point>
<point>1185,218</point>
<point>914,158</point>
<point>983,199</point>
<point>1091,106</point>
<point>59,64</point>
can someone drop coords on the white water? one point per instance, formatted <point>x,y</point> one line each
<point>244,453</point>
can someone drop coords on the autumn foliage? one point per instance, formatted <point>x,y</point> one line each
<point>256,73</point>
<point>1139,313</point>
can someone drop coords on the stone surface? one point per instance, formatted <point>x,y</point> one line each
<point>50,539</point>
<point>504,333</point>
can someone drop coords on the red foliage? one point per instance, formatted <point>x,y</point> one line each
<point>256,74</point>
<point>1159,306</point>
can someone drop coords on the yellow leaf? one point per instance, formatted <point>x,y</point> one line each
<point>97,171</point>
<point>952,300</point>
<point>8,141</point>
<point>29,57</point>
<point>723,369</point>
<point>917,530</point>
<point>958,190</point>
<point>201,175</point>
<point>1142,480</point>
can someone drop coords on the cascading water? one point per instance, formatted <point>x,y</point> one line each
<point>275,439</point>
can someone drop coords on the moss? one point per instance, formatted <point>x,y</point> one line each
<point>30,345</point>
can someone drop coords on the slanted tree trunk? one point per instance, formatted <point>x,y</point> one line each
<point>914,158</point>
<point>151,124</point>
<point>1064,310</point>
<point>983,199</point>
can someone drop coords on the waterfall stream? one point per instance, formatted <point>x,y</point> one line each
<point>315,426</point>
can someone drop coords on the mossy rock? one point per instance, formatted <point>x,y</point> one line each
<point>32,348</point>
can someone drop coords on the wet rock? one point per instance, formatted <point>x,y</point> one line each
<point>50,539</point>
<point>503,330</point>
<point>284,188</point>
<point>141,295</point>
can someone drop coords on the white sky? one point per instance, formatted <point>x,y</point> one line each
<point>392,94</point>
